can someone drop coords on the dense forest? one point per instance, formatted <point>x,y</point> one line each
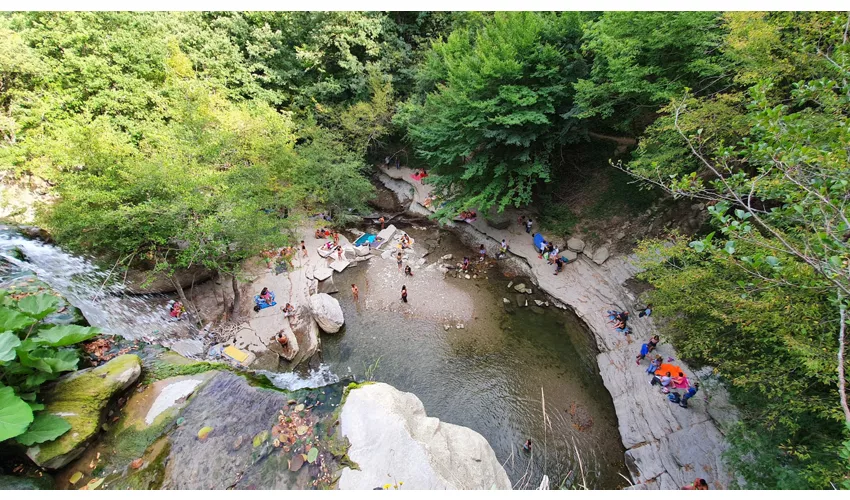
<point>177,139</point>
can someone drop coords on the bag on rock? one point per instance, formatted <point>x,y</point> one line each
<point>674,397</point>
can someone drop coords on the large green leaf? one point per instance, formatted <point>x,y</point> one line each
<point>38,306</point>
<point>62,335</point>
<point>34,358</point>
<point>13,320</point>
<point>15,414</point>
<point>45,427</point>
<point>64,360</point>
<point>8,342</point>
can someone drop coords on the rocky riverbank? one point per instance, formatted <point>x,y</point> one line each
<point>667,446</point>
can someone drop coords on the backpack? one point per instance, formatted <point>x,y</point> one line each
<point>257,308</point>
<point>674,397</point>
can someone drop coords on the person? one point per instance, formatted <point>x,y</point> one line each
<point>647,311</point>
<point>266,295</point>
<point>398,261</point>
<point>288,310</point>
<point>528,224</point>
<point>339,253</point>
<point>623,317</point>
<point>644,350</point>
<point>553,255</point>
<point>653,342</point>
<point>559,266</point>
<point>408,271</point>
<point>482,253</point>
<point>336,237</point>
<point>689,394</point>
<point>664,381</point>
<point>465,265</point>
<point>387,161</point>
<point>382,220</point>
<point>527,445</point>
<point>521,220</point>
<point>303,249</point>
<point>654,365</point>
<point>427,202</point>
<point>355,291</point>
<point>698,484</point>
<point>683,382</point>
<point>503,249</point>
<point>404,293</point>
<point>678,380</point>
<point>319,234</point>
<point>282,340</point>
<point>405,241</point>
<point>177,310</point>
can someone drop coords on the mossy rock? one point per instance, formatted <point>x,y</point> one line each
<point>44,482</point>
<point>80,399</point>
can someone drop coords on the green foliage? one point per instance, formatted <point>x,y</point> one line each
<point>497,113</point>
<point>31,353</point>
<point>641,60</point>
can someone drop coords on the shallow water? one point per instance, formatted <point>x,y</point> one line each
<point>489,375</point>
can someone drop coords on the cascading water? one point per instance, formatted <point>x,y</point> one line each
<point>101,299</point>
<point>292,381</point>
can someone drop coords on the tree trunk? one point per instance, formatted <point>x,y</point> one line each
<point>842,381</point>
<point>176,281</point>
<point>234,310</point>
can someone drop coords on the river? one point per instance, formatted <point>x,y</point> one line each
<point>511,376</point>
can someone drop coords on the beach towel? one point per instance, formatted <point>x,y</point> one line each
<point>666,367</point>
<point>262,304</point>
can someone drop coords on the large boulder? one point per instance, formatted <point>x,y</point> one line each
<point>80,399</point>
<point>327,312</point>
<point>498,220</point>
<point>569,255</point>
<point>600,255</point>
<point>575,244</point>
<point>421,451</point>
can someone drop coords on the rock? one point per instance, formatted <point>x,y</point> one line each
<point>459,326</point>
<point>162,284</point>
<point>575,244</point>
<point>448,256</point>
<point>362,251</point>
<point>520,300</point>
<point>327,312</point>
<point>386,254</point>
<point>536,310</point>
<point>437,455</point>
<point>349,252</point>
<point>327,286</point>
<point>520,288</point>
<point>510,284</point>
<point>570,255</point>
<point>306,332</point>
<point>323,273</point>
<point>80,399</point>
<point>620,235</point>
<point>506,301</point>
<point>497,220</point>
<point>600,255</point>
<point>529,291</point>
<point>466,276</point>
<point>420,262</point>
<point>188,348</point>
<point>44,482</point>
<point>538,302</point>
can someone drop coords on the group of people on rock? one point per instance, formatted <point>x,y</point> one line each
<point>619,319</point>
<point>468,215</point>
<point>323,233</point>
<point>176,310</point>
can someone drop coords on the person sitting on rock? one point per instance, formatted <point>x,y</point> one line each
<point>654,365</point>
<point>698,484</point>
<point>288,310</point>
<point>320,234</point>
<point>559,266</point>
<point>527,445</point>
<point>176,310</point>
<point>408,271</point>
<point>266,295</point>
<point>503,249</point>
<point>465,265</point>
<point>282,340</point>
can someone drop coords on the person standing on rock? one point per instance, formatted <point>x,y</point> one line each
<point>692,391</point>
<point>482,253</point>
<point>503,249</point>
<point>404,293</point>
<point>528,225</point>
<point>355,292</point>
<point>398,261</point>
<point>382,220</point>
<point>303,249</point>
<point>559,266</point>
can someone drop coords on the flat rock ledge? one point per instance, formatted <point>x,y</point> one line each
<point>393,441</point>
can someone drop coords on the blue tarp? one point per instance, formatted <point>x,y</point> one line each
<point>538,239</point>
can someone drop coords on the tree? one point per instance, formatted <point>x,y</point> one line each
<point>778,198</point>
<point>498,111</point>
<point>643,59</point>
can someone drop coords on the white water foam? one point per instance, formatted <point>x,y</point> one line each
<point>292,381</point>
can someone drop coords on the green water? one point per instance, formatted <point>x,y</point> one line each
<point>489,375</point>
